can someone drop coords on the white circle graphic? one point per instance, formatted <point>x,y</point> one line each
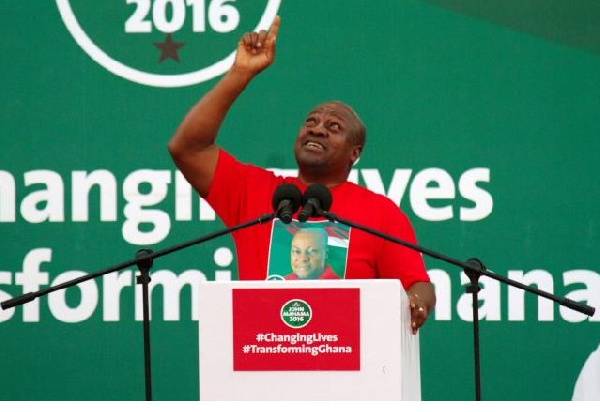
<point>150,79</point>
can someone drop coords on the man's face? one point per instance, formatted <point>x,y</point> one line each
<point>308,255</point>
<point>325,141</point>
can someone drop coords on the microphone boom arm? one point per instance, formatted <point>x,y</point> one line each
<point>28,297</point>
<point>469,266</point>
<point>473,268</point>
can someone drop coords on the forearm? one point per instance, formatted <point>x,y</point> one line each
<point>200,126</point>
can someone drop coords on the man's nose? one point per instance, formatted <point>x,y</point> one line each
<point>318,130</point>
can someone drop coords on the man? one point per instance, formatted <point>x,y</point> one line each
<point>587,386</point>
<point>309,256</point>
<point>328,143</point>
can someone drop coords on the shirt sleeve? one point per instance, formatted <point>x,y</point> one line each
<point>240,191</point>
<point>395,260</point>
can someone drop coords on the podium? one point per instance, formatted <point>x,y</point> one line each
<point>307,340</point>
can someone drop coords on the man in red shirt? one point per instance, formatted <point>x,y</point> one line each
<point>328,143</point>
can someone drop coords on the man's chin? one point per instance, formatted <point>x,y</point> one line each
<point>308,276</point>
<point>310,160</point>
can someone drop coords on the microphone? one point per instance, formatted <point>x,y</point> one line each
<point>316,199</point>
<point>286,200</point>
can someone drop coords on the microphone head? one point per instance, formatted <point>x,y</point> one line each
<point>144,264</point>
<point>320,192</point>
<point>287,191</point>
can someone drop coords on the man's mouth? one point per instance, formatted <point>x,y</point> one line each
<point>314,146</point>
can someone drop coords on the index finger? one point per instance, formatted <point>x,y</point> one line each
<point>275,27</point>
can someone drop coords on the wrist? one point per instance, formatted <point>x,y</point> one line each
<point>239,77</point>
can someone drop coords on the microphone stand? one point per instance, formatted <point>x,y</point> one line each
<point>144,259</point>
<point>144,279</point>
<point>474,269</point>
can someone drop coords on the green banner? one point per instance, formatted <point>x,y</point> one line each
<point>482,124</point>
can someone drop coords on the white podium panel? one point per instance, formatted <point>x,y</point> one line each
<point>385,364</point>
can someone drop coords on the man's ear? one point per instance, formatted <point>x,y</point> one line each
<point>356,151</point>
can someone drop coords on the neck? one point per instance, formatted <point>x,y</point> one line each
<point>307,180</point>
<point>308,177</point>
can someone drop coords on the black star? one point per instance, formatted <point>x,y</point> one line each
<point>168,49</point>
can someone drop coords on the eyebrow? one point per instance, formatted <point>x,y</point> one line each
<point>329,112</point>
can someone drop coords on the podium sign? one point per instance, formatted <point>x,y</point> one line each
<point>307,340</point>
<point>296,329</point>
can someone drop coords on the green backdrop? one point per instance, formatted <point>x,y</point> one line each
<point>482,123</point>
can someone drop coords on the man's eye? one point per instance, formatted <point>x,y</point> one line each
<point>335,126</point>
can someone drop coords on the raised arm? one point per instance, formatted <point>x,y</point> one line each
<point>193,146</point>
